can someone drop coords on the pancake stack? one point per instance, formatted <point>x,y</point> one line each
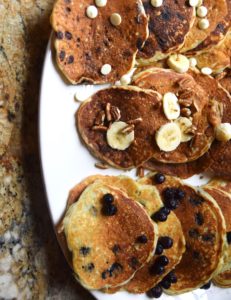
<point>148,236</point>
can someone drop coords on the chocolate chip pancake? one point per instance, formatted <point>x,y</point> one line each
<point>102,230</point>
<point>217,11</point>
<point>215,36</point>
<point>187,89</point>
<point>204,229</point>
<point>84,45</point>
<point>169,24</point>
<point>218,57</point>
<point>135,106</point>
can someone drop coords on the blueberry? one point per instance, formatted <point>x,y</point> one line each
<point>156,269</point>
<point>179,194</point>
<point>166,284</point>
<point>155,292</point>
<point>159,216</point>
<point>171,277</point>
<point>109,210</point>
<point>171,203</point>
<point>169,193</point>
<point>159,178</point>
<point>163,260</point>
<point>108,198</point>
<point>206,286</point>
<point>165,210</point>
<point>84,251</point>
<point>142,239</point>
<point>159,249</point>
<point>166,242</point>
<point>229,237</point>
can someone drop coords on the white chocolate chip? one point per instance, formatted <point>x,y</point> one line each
<point>156,3</point>
<point>115,19</point>
<point>92,12</point>
<point>106,69</point>
<point>203,24</point>
<point>223,132</point>
<point>193,3</point>
<point>100,3</point>
<point>192,62</point>
<point>206,71</point>
<point>79,97</point>
<point>125,80</point>
<point>202,11</point>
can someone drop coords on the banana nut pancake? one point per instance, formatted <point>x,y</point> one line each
<point>218,57</point>
<point>84,45</point>
<point>130,103</point>
<point>149,198</point>
<point>204,229</point>
<point>168,26</point>
<point>219,152</point>
<point>217,35</point>
<point>217,11</point>
<point>104,238</point>
<point>194,98</point>
<point>225,80</point>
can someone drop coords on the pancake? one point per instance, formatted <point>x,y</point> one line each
<point>169,24</point>
<point>217,11</point>
<point>225,81</point>
<point>219,153</point>
<point>183,171</point>
<point>220,184</point>
<point>149,198</point>
<point>218,57</point>
<point>223,279</point>
<point>104,247</point>
<point>132,103</point>
<point>164,81</point>
<point>204,229</point>
<point>215,36</point>
<point>83,45</point>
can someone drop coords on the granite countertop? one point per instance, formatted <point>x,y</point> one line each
<point>31,263</point>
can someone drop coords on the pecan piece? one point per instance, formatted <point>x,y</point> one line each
<point>108,112</point>
<point>99,127</point>
<point>135,121</point>
<point>128,129</point>
<point>115,113</point>
<point>186,112</point>
<point>100,118</point>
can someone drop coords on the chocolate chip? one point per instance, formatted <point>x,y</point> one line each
<point>84,250</point>
<point>68,35</point>
<point>196,201</point>
<point>62,55</point>
<point>59,35</point>
<point>193,233</point>
<point>70,59</point>
<point>68,9</point>
<point>116,249</point>
<point>199,219</point>
<point>208,237</point>
<point>139,43</point>
<point>134,263</point>
<point>142,239</point>
<point>228,235</point>
<point>114,268</point>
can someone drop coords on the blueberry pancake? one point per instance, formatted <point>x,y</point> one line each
<point>217,35</point>
<point>102,230</point>
<point>204,229</point>
<point>217,11</point>
<point>220,184</point>
<point>118,125</point>
<point>168,25</point>
<point>98,44</point>
<point>193,100</point>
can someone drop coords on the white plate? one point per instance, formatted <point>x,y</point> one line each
<point>65,161</point>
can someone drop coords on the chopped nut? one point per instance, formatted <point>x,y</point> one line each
<point>185,94</point>
<point>108,112</point>
<point>185,102</point>
<point>140,172</point>
<point>186,112</point>
<point>215,113</point>
<point>99,120</point>
<point>115,113</point>
<point>128,129</point>
<point>100,128</point>
<point>185,83</point>
<point>135,121</point>
<point>101,165</point>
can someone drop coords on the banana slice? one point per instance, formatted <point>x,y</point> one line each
<point>168,137</point>
<point>118,140</point>
<point>223,132</point>
<point>184,124</point>
<point>171,106</point>
<point>178,63</point>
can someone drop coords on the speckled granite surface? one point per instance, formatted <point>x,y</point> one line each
<point>31,264</point>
